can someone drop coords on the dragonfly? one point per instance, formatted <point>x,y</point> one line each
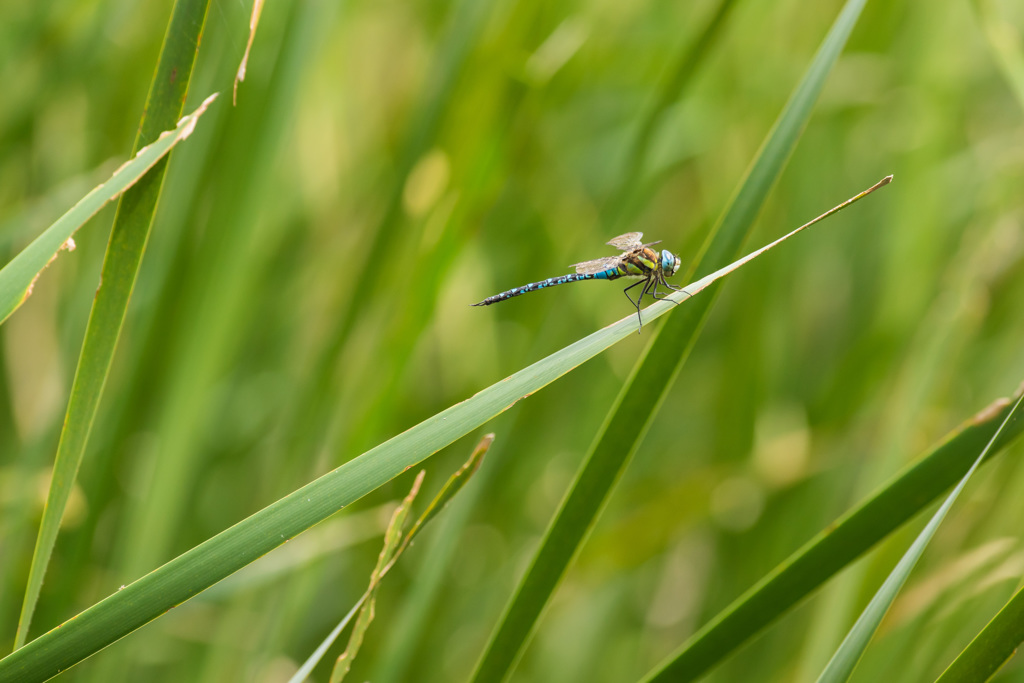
<point>638,261</point>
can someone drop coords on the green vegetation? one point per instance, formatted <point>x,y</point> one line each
<point>744,474</point>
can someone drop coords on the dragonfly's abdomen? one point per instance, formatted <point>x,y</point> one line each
<point>610,274</point>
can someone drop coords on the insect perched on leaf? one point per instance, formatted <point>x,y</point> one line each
<point>638,261</point>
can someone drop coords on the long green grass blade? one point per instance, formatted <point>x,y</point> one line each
<point>17,277</point>
<point>127,244</point>
<point>655,372</point>
<point>992,647</point>
<point>843,662</point>
<point>204,565</point>
<point>845,540</point>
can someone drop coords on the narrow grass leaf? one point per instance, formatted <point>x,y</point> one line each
<point>846,539</point>
<point>992,647</point>
<point>390,554</point>
<point>843,662</point>
<point>121,263</point>
<point>204,565</point>
<point>18,276</point>
<point>655,372</point>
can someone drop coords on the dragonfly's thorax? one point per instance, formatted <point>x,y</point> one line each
<point>640,261</point>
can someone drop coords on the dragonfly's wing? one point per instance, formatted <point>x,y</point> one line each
<point>627,242</point>
<point>597,265</point>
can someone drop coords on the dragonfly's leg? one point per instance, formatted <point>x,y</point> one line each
<point>655,293</point>
<point>637,302</point>
<point>676,289</point>
<point>652,283</point>
<point>665,298</point>
<point>648,283</point>
<point>626,292</point>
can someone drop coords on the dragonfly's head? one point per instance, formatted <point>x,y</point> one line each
<point>669,262</point>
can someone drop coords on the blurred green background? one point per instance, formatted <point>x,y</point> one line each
<point>305,295</point>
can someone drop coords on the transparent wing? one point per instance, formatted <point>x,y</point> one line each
<point>597,265</point>
<point>627,242</point>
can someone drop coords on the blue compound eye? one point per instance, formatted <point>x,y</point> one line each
<point>668,260</point>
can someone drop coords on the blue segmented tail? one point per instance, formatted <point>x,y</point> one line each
<point>550,282</point>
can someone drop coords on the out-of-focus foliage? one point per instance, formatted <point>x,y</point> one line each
<point>305,296</point>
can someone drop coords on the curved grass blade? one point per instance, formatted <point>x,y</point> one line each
<point>121,263</point>
<point>843,662</point>
<point>654,373</point>
<point>896,502</point>
<point>18,276</point>
<point>991,648</point>
<point>204,565</point>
